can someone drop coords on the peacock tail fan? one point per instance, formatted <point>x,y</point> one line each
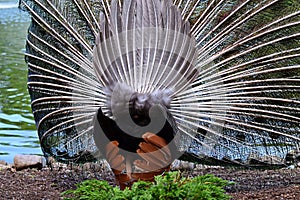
<point>227,70</point>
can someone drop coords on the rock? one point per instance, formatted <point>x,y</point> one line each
<point>182,165</point>
<point>175,165</point>
<point>94,166</point>
<point>2,162</point>
<point>28,161</point>
<point>4,165</point>
<point>291,167</point>
<point>54,165</point>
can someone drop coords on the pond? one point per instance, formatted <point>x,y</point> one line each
<point>17,127</point>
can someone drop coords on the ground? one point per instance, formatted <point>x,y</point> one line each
<point>48,184</point>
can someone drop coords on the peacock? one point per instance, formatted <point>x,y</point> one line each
<point>215,81</point>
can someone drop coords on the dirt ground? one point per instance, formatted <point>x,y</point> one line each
<point>48,184</point>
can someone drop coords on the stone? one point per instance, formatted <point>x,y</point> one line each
<point>291,167</point>
<point>4,165</point>
<point>182,165</point>
<point>175,165</point>
<point>2,162</point>
<point>28,161</point>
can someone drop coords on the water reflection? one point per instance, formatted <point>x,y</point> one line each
<point>17,128</point>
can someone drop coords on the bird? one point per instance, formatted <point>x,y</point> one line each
<point>224,76</point>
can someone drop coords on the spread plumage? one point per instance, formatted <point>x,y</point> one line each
<point>227,71</point>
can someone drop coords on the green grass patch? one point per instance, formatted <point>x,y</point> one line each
<point>171,186</point>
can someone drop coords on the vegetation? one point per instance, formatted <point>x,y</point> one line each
<point>169,186</point>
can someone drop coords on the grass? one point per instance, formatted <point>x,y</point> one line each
<point>171,186</point>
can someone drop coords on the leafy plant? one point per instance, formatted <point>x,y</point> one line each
<point>171,186</point>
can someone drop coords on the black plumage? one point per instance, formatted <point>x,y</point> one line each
<point>107,129</point>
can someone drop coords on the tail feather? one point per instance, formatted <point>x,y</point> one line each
<point>227,69</point>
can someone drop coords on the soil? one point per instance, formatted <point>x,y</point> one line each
<point>49,183</point>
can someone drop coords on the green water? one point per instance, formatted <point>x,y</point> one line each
<point>17,126</point>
